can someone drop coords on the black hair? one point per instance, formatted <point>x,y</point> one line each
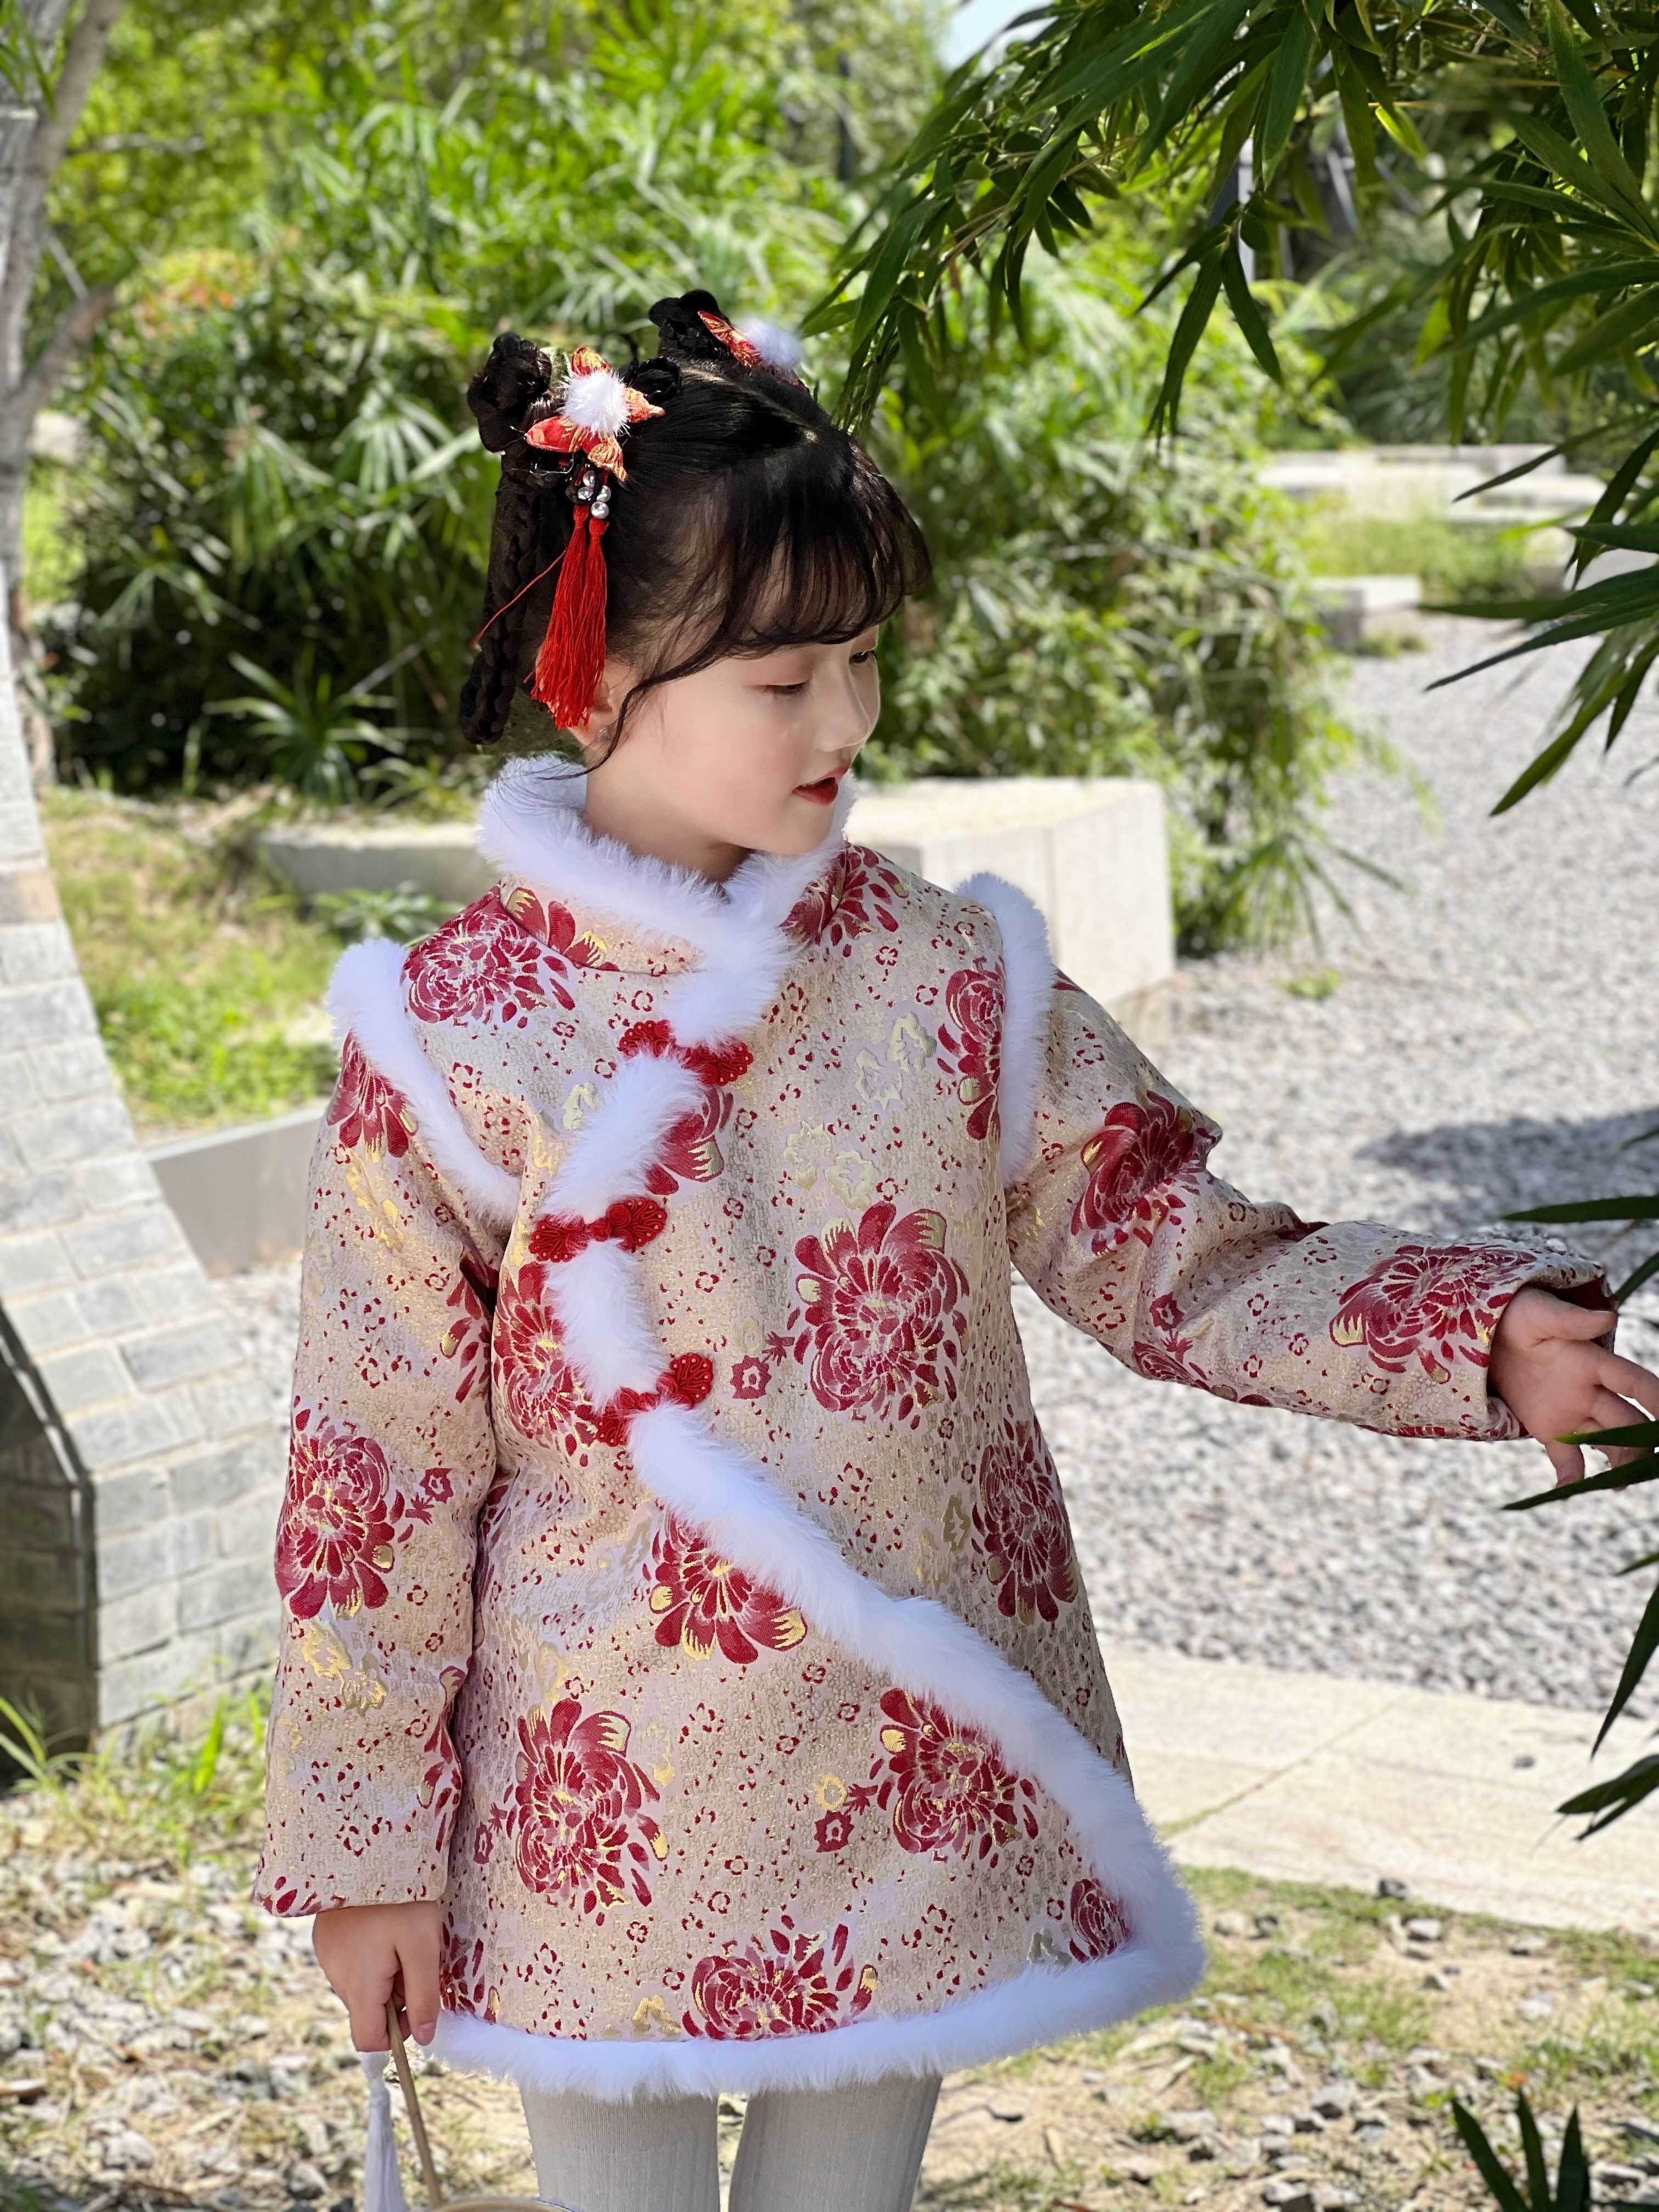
<point>748,520</point>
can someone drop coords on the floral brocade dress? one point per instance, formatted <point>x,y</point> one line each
<point>675,1580</point>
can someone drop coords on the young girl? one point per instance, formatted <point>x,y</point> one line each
<point>688,1685</point>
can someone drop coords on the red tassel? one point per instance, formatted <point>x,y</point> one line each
<point>572,656</point>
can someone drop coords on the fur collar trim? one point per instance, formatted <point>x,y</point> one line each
<point>531,827</point>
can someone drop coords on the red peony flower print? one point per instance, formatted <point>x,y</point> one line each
<point>856,892</point>
<point>576,1815</point>
<point>1097,1923</point>
<point>948,1790</point>
<point>881,1303</point>
<point>787,1981</point>
<point>557,927</point>
<point>702,1600</point>
<point>366,1110</point>
<point>1433,1304</point>
<point>541,1390</point>
<point>339,1520</point>
<point>970,1043</point>
<point>492,963</point>
<point>1019,1520</point>
<point>751,1376</point>
<point>461,1979</point>
<point>470,1299</point>
<point>691,1150</point>
<point>1133,1160</point>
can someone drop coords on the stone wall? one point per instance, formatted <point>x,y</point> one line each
<point>139,1469</point>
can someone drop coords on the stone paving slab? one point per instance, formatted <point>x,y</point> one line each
<point>1313,1777</point>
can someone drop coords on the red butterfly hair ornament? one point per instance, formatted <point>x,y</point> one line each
<point>776,352</point>
<point>596,409</point>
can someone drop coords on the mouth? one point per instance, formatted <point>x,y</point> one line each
<point>822,792</point>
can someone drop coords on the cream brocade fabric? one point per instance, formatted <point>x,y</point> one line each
<point>659,1802</point>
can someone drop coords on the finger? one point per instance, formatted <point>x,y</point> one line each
<point>1636,1382</point>
<point>1583,1322</point>
<point>1609,1412</point>
<point>1567,1460</point>
<point>420,1979</point>
<point>368,2021</point>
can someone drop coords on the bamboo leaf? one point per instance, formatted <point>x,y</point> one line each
<point>1194,72</point>
<point>1286,81</point>
<point>1638,1276</point>
<point>1645,1206</point>
<point>1195,316</point>
<point>1643,1646</point>
<point>1616,1478</point>
<point>1246,314</point>
<point>1583,104</point>
<point>1610,1801</point>
<point>1611,332</point>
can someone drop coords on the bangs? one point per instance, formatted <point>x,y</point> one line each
<point>806,545</point>
<point>818,554</point>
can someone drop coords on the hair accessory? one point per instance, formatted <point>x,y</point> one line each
<point>757,345</point>
<point>596,409</point>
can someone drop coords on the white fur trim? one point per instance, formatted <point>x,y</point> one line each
<point>611,1153</point>
<point>606,1338</point>
<point>531,827</point>
<point>595,399</point>
<point>778,348</point>
<point>1028,983</point>
<point>366,1000</point>
<point>1039,2004</point>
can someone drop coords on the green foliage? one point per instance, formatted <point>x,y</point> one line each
<point>285,478</point>
<point>1465,565</point>
<point>1104,608</point>
<point>205,977</point>
<point>171,1799</point>
<point>1570,2190</point>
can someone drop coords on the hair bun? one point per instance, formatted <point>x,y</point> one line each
<point>683,334</point>
<point>660,380</point>
<point>506,390</point>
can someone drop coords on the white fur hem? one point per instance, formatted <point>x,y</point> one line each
<point>1027,981</point>
<point>1039,2004</point>
<point>366,1001</point>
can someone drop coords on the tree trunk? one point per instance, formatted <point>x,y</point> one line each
<point>32,141</point>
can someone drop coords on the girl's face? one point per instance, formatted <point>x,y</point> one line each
<point>745,757</point>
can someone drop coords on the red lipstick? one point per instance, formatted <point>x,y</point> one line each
<point>823,792</point>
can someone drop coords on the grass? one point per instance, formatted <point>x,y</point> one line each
<point>1460,564</point>
<point>206,977</point>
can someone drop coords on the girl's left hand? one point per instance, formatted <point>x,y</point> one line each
<point>1558,1381</point>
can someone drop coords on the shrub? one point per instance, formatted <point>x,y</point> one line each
<point>1103,606</point>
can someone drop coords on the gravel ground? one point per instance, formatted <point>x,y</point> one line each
<point>164,2046</point>
<point>1485,1047</point>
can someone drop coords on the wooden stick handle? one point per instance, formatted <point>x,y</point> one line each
<point>417,2126</point>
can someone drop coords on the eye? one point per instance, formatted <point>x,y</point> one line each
<point>858,658</point>
<point>784,691</point>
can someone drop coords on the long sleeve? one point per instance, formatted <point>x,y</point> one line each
<point>1117,1224</point>
<point>391,1457</point>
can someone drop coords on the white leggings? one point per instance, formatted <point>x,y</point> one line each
<point>857,2149</point>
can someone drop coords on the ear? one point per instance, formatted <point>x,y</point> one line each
<point>616,680</point>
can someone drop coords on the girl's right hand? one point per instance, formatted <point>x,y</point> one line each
<point>371,1952</point>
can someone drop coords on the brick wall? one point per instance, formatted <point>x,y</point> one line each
<point>138,1473</point>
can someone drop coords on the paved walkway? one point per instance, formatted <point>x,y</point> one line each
<point>1309,1777</point>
